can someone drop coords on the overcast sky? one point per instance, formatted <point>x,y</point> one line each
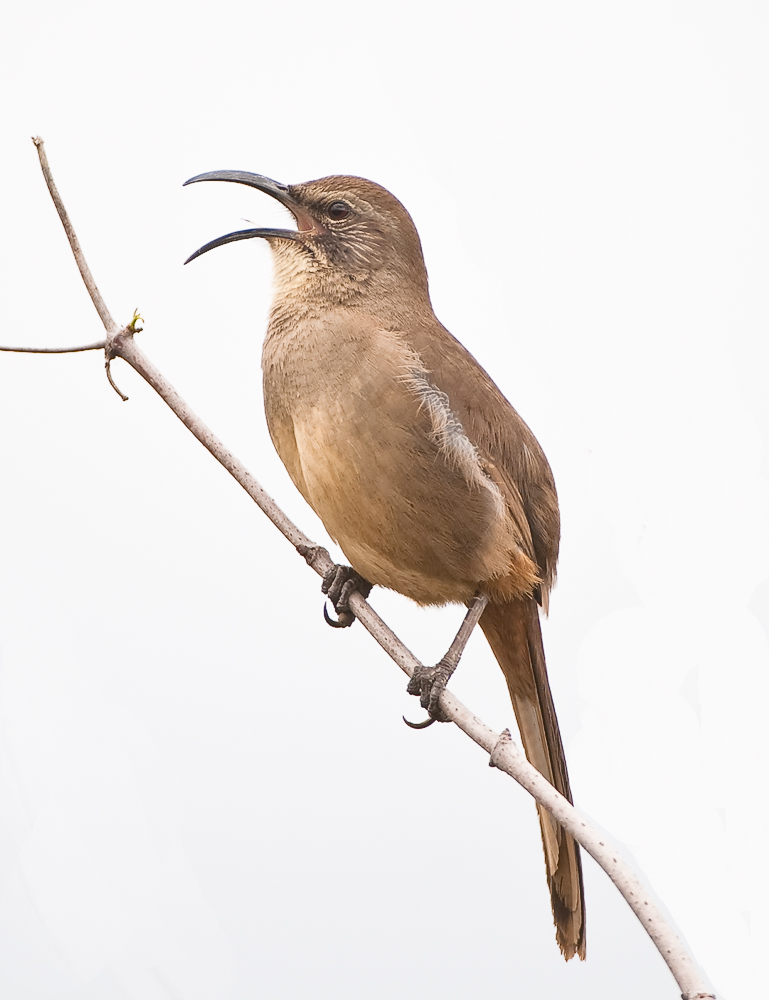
<point>204,791</point>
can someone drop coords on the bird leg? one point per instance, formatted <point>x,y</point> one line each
<point>429,682</point>
<point>338,583</point>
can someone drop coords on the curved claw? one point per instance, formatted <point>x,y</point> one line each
<point>419,725</point>
<point>345,620</point>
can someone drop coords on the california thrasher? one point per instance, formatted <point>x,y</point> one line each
<point>416,463</point>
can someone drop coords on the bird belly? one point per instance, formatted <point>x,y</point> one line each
<point>404,518</point>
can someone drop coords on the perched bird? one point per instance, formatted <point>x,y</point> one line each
<point>420,469</point>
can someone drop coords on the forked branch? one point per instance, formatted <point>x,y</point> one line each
<point>503,753</point>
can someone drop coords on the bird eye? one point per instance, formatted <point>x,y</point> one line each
<point>338,210</point>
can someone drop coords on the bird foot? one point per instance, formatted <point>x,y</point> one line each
<point>338,583</point>
<point>429,683</point>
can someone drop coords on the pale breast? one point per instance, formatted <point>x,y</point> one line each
<point>374,456</point>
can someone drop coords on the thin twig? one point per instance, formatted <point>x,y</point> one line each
<point>98,346</point>
<point>85,272</point>
<point>110,379</point>
<point>503,753</point>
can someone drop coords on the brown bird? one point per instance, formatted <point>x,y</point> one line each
<point>420,469</point>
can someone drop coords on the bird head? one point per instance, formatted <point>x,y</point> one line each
<point>345,225</point>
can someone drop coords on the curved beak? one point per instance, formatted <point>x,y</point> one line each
<point>280,192</point>
<point>244,234</point>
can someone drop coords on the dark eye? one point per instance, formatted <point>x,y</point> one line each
<point>338,210</point>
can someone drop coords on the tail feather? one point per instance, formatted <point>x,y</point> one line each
<point>513,632</point>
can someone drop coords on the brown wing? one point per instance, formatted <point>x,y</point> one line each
<point>502,438</point>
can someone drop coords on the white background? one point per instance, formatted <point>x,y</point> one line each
<point>205,792</point>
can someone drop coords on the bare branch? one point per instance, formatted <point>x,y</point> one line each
<point>98,346</point>
<point>503,753</point>
<point>506,756</point>
<point>85,272</point>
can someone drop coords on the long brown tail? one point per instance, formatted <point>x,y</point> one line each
<point>513,632</point>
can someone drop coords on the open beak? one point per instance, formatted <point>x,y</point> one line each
<point>280,192</point>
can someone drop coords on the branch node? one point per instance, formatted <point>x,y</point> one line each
<point>698,996</point>
<point>315,556</point>
<point>504,741</point>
